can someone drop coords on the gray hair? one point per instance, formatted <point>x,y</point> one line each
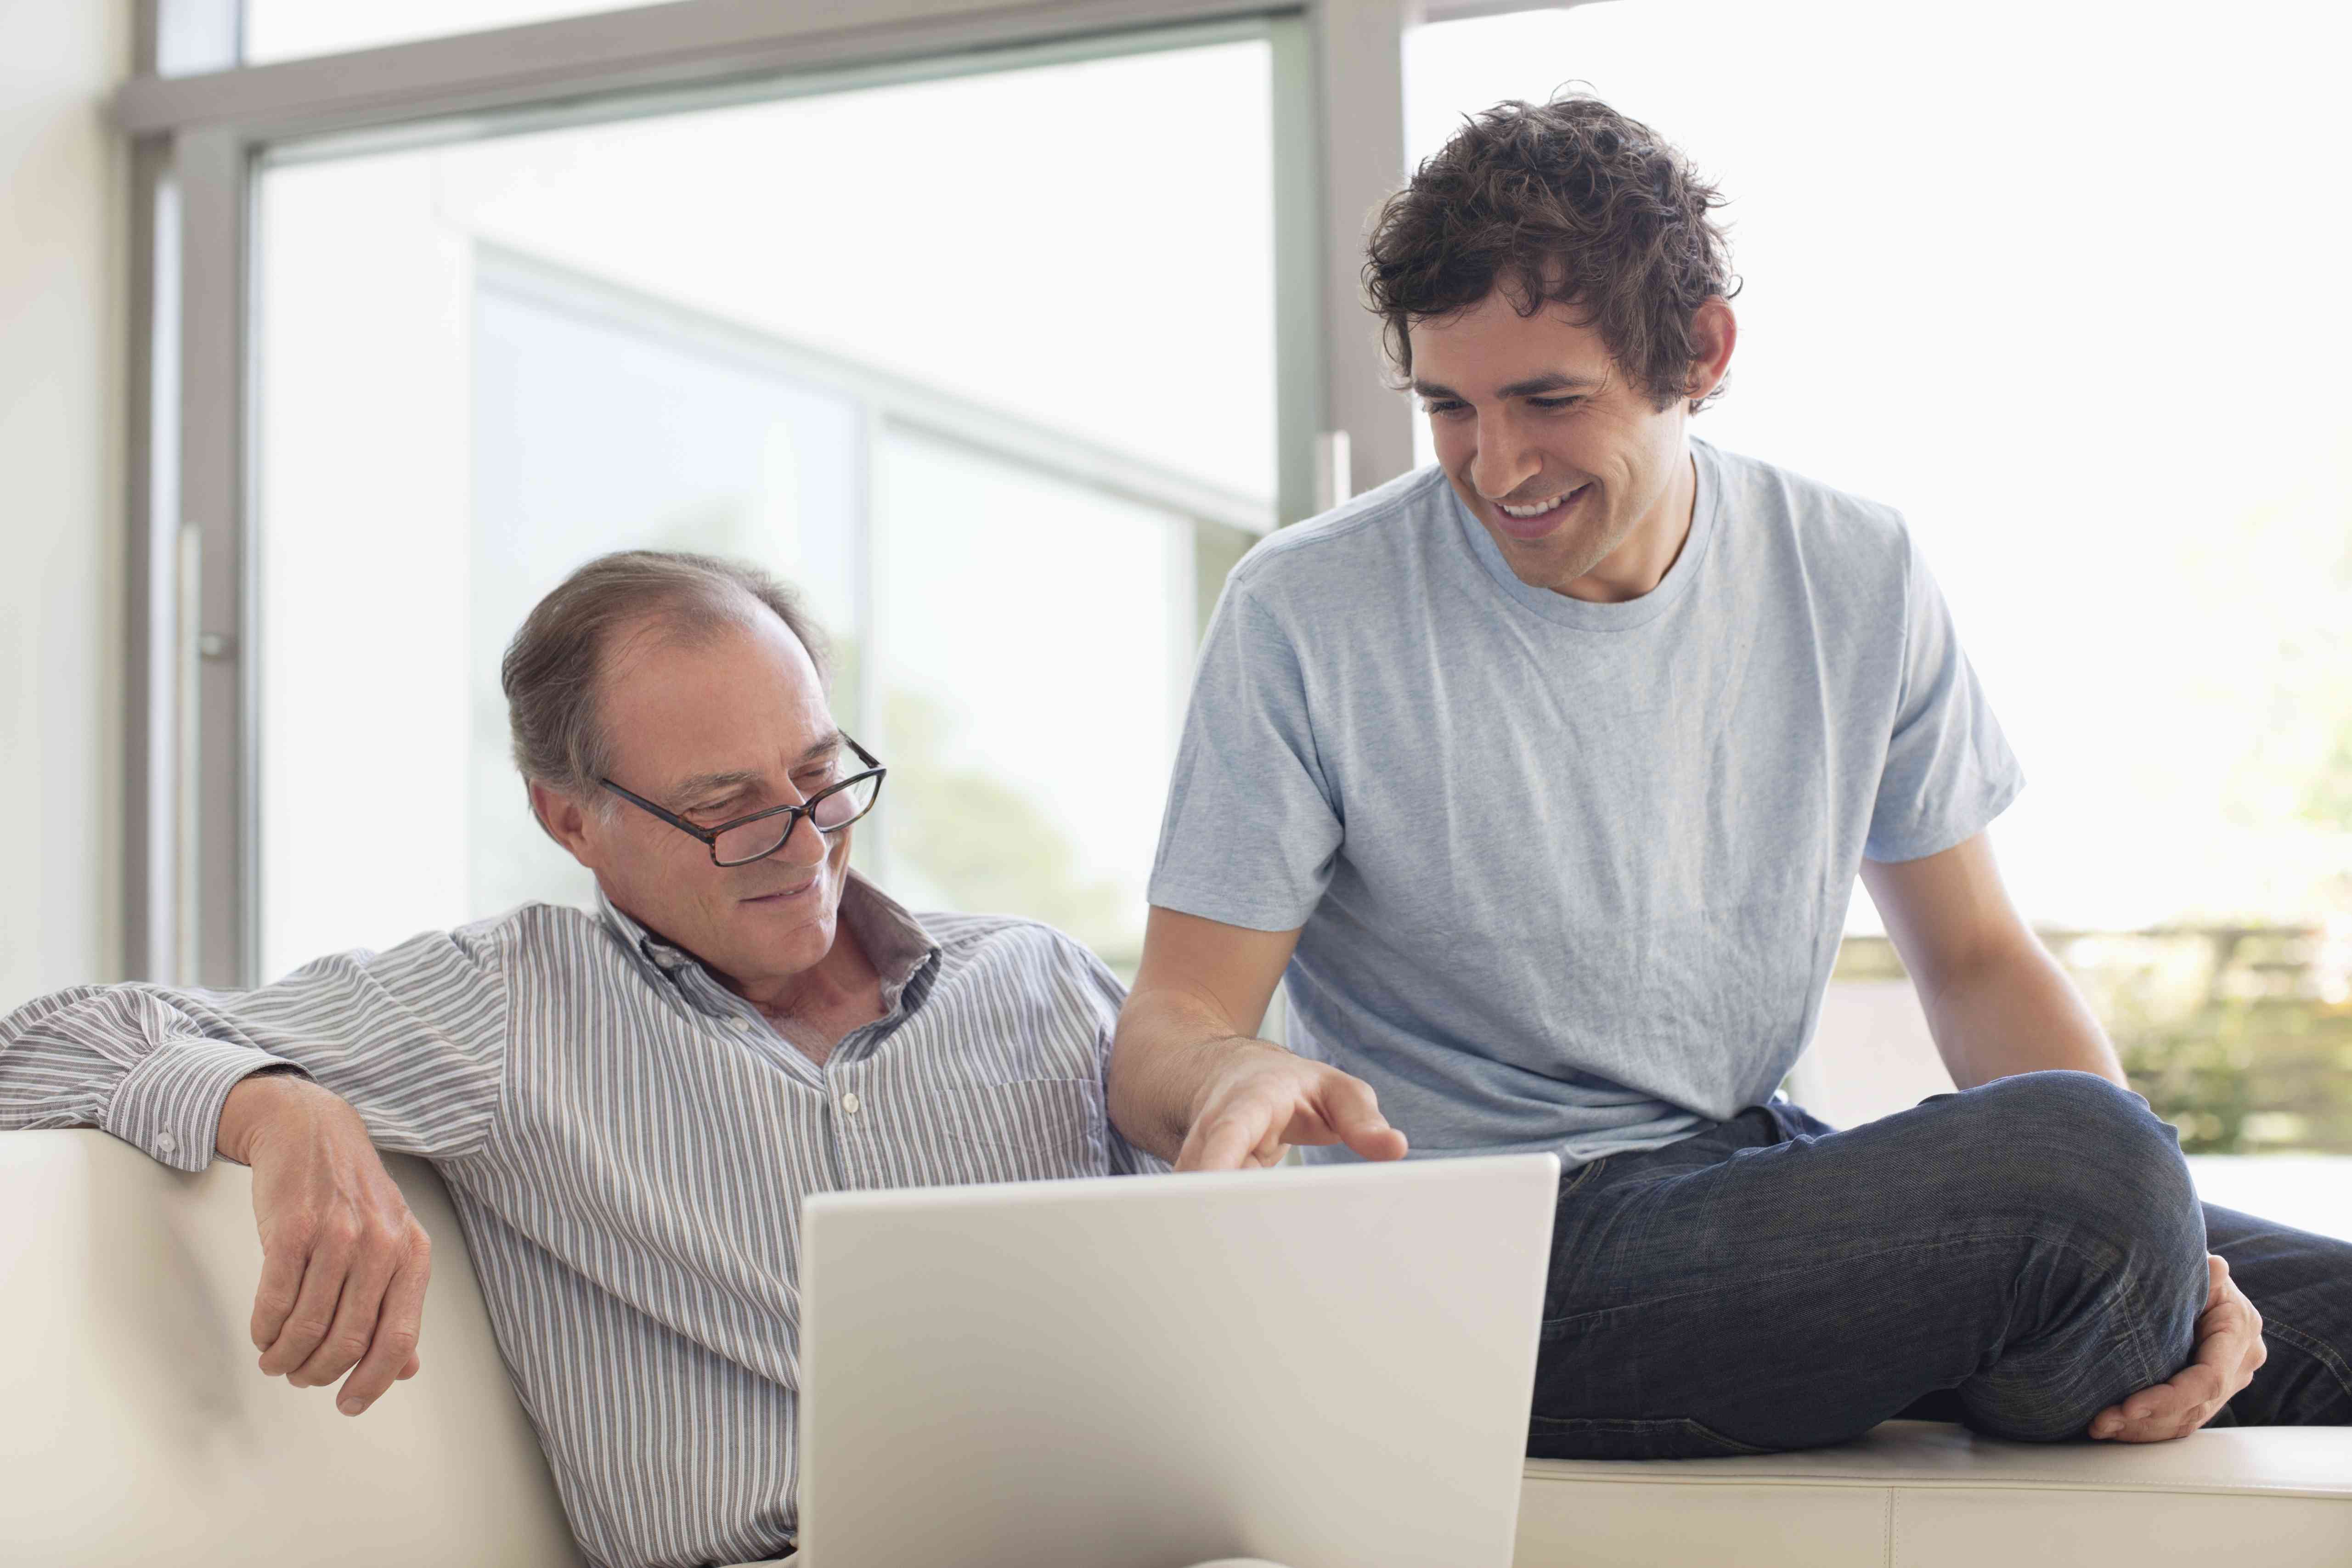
<point>553,670</point>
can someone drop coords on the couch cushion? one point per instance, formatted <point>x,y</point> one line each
<point>1917,1494</point>
<point>134,1426</point>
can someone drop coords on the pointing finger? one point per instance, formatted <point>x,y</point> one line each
<point>1354,1112</point>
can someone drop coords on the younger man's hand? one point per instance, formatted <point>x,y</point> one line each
<point>2229,1349</point>
<point>1263,1097</point>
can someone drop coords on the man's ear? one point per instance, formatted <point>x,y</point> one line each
<point>565,820</point>
<point>1715,331</point>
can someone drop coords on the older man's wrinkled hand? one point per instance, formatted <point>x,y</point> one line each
<point>344,1263</point>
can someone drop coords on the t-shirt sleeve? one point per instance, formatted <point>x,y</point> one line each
<point>1950,770</point>
<point>1253,825</point>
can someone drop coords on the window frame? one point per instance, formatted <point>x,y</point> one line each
<point>199,122</point>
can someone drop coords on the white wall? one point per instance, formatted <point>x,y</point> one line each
<point>62,227</point>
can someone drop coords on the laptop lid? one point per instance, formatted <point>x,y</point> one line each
<point>1329,1367</point>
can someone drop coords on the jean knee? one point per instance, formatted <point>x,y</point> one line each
<point>2091,1154</point>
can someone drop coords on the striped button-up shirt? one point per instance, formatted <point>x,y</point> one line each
<point>628,1143</point>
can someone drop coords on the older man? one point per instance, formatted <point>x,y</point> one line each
<point>629,1106</point>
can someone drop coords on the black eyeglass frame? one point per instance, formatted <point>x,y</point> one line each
<point>709,836</point>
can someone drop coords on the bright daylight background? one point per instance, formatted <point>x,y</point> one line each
<point>2052,279</point>
<point>848,336</point>
<point>2056,280</point>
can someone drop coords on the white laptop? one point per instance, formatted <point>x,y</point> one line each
<point>1327,1367</point>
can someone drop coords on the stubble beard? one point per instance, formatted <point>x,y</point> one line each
<point>1572,555</point>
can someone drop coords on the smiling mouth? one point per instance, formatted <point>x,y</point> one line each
<point>1539,509</point>
<point>780,894</point>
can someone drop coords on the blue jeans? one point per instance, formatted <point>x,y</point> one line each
<point>2018,1257</point>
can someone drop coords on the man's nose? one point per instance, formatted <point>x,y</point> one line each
<point>803,845</point>
<point>1504,462</point>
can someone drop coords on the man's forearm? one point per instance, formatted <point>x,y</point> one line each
<point>2017,1010</point>
<point>141,1062</point>
<point>1168,1045</point>
<point>254,1103</point>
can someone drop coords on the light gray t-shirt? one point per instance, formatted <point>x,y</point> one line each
<point>1570,875</point>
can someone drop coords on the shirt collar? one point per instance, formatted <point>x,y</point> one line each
<point>895,942</point>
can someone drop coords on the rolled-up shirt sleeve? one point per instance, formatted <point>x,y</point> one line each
<point>414,1038</point>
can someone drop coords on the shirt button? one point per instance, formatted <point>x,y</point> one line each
<point>742,1024</point>
<point>165,1143</point>
<point>849,1103</point>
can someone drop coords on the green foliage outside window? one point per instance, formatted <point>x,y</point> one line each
<point>2238,1036</point>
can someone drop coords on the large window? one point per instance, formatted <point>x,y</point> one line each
<point>1003,329</point>
<point>2041,277</point>
<point>931,351</point>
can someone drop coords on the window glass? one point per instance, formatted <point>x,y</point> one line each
<point>940,353</point>
<point>1034,653</point>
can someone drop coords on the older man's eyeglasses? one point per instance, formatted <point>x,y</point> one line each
<point>761,833</point>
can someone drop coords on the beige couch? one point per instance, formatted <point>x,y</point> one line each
<point>134,1429</point>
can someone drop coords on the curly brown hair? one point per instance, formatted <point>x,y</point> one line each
<point>1567,202</point>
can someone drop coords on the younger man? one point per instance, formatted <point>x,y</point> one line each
<point>1544,776</point>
